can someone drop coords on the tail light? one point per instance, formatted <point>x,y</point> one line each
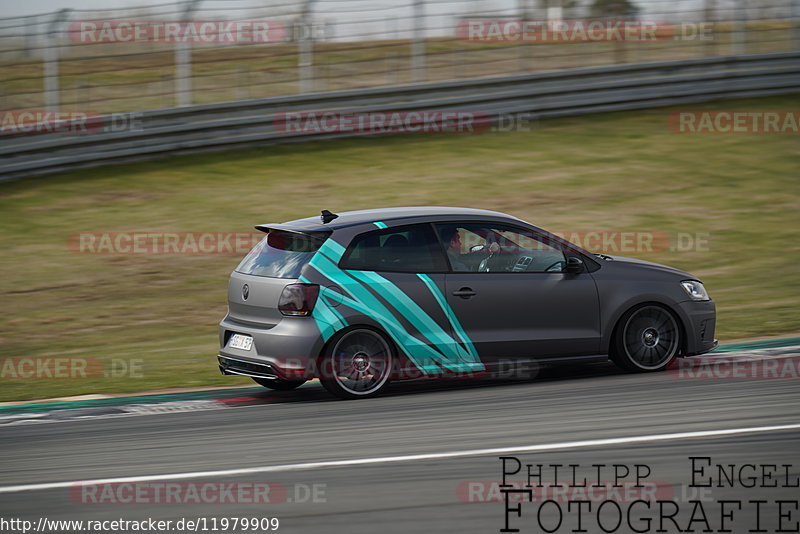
<point>298,299</point>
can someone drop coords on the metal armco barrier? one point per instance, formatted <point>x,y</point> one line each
<point>247,123</point>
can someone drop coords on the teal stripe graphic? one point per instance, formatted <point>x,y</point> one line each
<point>453,351</point>
<point>367,304</point>
<point>380,224</point>
<point>332,249</point>
<point>451,315</point>
<point>328,319</point>
<point>443,352</point>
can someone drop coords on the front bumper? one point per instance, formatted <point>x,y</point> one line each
<point>699,320</point>
<point>287,350</point>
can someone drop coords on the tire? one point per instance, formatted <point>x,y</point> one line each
<point>647,338</point>
<point>277,384</point>
<point>357,364</point>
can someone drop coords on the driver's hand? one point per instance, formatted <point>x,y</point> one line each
<point>494,248</point>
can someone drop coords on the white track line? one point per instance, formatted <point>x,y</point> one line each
<point>396,459</point>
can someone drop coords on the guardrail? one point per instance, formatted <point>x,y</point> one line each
<point>552,94</point>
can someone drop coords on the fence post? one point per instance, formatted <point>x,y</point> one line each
<point>738,28</point>
<point>620,47</point>
<point>418,42</point>
<point>50,61</point>
<point>709,10</point>
<point>795,14</point>
<point>183,61</point>
<point>31,23</point>
<point>305,48</point>
<point>525,15</point>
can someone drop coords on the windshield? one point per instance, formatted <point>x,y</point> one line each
<point>280,254</point>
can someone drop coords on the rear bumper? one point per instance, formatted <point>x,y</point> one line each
<point>235,366</point>
<point>699,320</point>
<point>287,350</point>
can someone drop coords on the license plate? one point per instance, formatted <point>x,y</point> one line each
<point>240,341</point>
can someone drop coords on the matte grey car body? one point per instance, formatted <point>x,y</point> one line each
<point>363,297</point>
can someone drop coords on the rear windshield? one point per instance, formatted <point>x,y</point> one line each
<point>280,254</point>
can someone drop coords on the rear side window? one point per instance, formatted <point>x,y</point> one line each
<point>280,254</point>
<point>409,249</point>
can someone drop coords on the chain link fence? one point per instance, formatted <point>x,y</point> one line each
<point>205,51</point>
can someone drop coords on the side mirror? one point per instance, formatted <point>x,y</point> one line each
<point>575,265</point>
<point>476,248</point>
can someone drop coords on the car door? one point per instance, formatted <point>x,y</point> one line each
<point>395,277</point>
<point>510,291</point>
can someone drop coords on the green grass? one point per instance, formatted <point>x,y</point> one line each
<point>614,172</point>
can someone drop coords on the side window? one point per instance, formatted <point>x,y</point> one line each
<point>410,249</point>
<point>490,248</point>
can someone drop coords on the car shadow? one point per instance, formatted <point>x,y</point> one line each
<point>314,392</point>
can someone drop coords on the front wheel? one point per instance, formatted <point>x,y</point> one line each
<point>279,385</point>
<point>357,364</point>
<point>647,339</point>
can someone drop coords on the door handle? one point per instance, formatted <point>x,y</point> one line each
<point>464,293</point>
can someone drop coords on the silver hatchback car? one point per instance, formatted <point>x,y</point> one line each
<point>364,297</point>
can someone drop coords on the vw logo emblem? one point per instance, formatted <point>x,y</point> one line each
<point>245,291</point>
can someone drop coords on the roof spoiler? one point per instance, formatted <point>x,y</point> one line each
<point>268,227</point>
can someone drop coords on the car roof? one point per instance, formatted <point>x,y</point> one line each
<point>385,215</point>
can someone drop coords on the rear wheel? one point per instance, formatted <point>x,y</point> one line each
<point>357,364</point>
<point>278,384</point>
<point>647,339</point>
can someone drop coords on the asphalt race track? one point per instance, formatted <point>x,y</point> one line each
<point>379,487</point>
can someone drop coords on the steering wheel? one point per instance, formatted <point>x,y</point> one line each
<point>492,262</point>
<point>483,266</point>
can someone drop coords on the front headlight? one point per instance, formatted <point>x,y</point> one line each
<point>695,289</point>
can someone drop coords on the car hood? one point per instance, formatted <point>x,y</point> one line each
<point>635,262</point>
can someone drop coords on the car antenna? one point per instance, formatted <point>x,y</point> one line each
<point>327,216</point>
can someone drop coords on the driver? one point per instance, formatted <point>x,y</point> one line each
<point>451,237</point>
